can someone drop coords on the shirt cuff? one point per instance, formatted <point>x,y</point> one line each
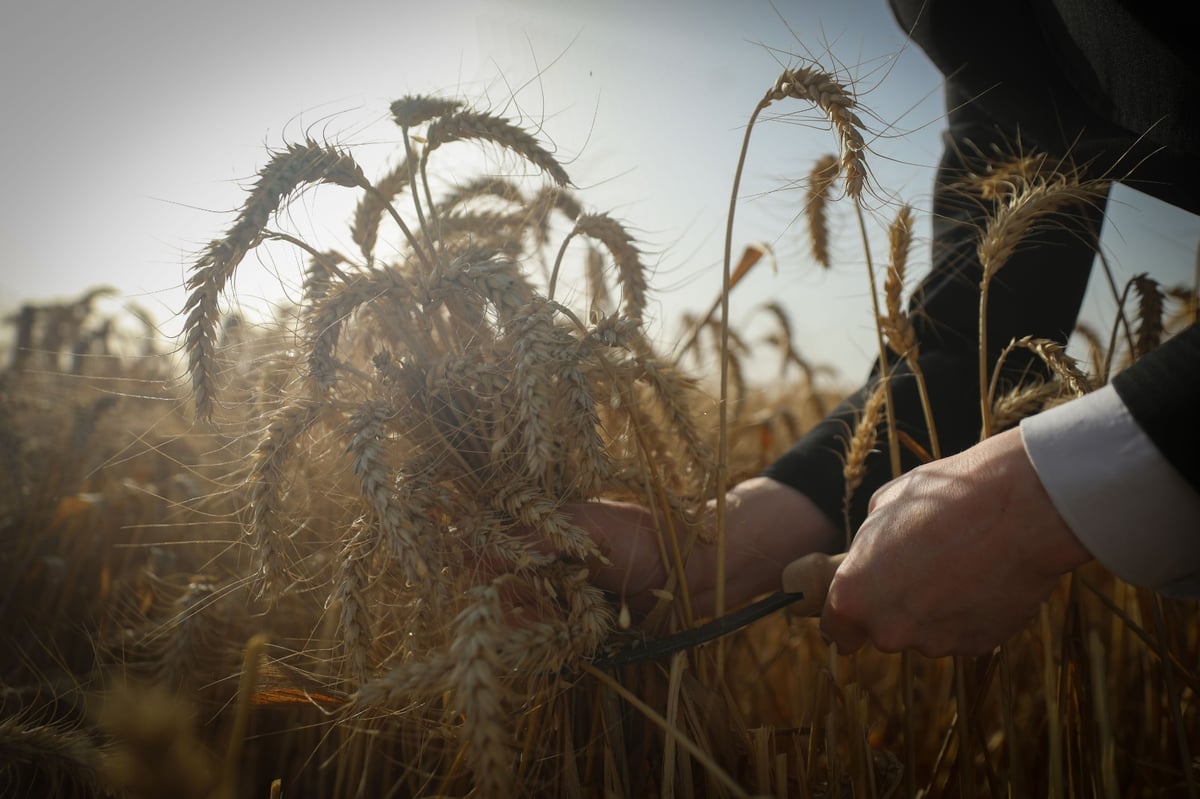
<point>1125,503</point>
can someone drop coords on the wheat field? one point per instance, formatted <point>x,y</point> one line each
<point>325,554</point>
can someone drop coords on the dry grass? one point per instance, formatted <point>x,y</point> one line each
<point>337,564</point>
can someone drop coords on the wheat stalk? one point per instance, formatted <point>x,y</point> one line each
<point>1002,177</point>
<point>494,186</point>
<point>1053,354</point>
<point>402,519</point>
<point>326,318</point>
<point>1022,209</point>
<point>351,596</point>
<point>416,109</point>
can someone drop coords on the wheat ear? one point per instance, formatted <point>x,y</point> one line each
<point>326,319</point>
<point>495,186</point>
<point>1053,355</point>
<point>1023,401</point>
<point>620,243</point>
<point>820,182</point>
<point>355,612</point>
<point>860,447</point>
<point>478,693</point>
<point>838,103</point>
<point>895,323</point>
<point>1097,351</point>
<point>1150,315</point>
<point>266,479</point>
<point>461,124</point>
<point>298,165</point>
<point>364,230</point>
<point>1016,216</point>
<point>67,756</point>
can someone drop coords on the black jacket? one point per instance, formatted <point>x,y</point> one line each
<point>1109,87</point>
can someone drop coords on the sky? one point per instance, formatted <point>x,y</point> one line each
<point>132,127</point>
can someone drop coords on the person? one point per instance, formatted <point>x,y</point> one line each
<point>956,555</point>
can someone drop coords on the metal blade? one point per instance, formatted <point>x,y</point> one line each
<point>686,639</point>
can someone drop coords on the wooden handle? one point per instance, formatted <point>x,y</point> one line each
<point>811,575</point>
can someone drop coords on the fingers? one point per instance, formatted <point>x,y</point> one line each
<point>847,634</point>
<point>810,575</point>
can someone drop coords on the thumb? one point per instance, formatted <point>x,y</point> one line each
<point>811,576</point>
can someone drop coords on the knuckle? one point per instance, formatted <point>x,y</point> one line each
<point>842,603</point>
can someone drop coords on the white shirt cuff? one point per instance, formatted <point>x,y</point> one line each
<point>1125,503</point>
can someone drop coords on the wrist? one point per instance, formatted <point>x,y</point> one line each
<point>1058,550</point>
<point>768,525</point>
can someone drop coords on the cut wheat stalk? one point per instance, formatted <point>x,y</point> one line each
<point>683,742</point>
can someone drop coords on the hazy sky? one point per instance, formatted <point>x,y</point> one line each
<point>131,128</point>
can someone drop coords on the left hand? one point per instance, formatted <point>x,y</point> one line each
<point>768,524</point>
<point>954,557</point>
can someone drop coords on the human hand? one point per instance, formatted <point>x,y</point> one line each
<point>767,524</point>
<point>954,557</point>
<point>628,536</point>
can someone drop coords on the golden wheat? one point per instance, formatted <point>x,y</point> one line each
<point>400,448</point>
<point>820,181</point>
<point>838,103</point>
<point>896,325</point>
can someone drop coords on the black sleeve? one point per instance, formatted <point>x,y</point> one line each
<point>1037,293</point>
<point>1162,391</point>
<point>1069,96</point>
